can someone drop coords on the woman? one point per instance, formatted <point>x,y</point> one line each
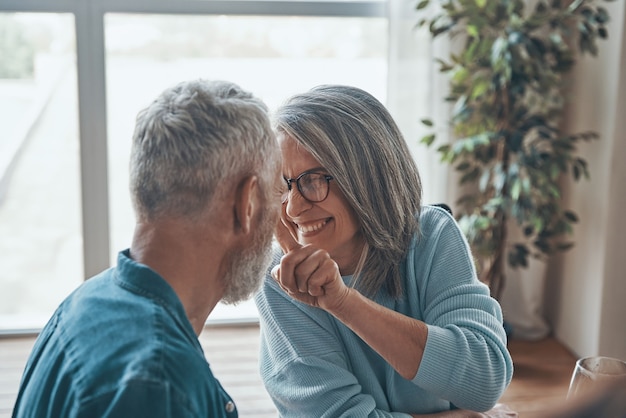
<point>374,310</point>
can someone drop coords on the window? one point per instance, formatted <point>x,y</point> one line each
<point>40,209</point>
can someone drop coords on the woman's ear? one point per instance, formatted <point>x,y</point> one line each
<point>246,203</point>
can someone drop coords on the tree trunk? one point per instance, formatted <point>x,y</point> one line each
<point>495,276</point>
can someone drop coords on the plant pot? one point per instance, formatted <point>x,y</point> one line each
<point>522,301</point>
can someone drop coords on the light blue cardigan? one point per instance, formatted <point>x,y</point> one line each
<point>314,366</point>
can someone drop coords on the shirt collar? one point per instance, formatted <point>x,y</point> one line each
<point>142,280</point>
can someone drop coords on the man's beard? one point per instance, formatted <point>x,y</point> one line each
<point>248,267</point>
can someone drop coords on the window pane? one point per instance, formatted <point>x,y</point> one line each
<point>41,244</point>
<point>274,57</point>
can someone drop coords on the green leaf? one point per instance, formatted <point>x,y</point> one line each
<point>564,246</point>
<point>570,216</point>
<point>440,24</point>
<point>542,245</point>
<point>602,16</point>
<point>524,261</point>
<point>428,139</point>
<point>444,66</point>
<point>480,87</point>
<point>498,50</point>
<point>472,31</point>
<point>528,231</point>
<point>484,180</point>
<point>470,176</point>
<point>446,154</point>
<point>516,187</point>
<point>554,191</point>
<point>499,179</point>
<point>427,122</point>
<point>512,259</point>
<point>422,4</point>
<point>526,186</point>
<point>482,222</point>
<point>468,145</point>
<point>555,171</point>
<point>518,256</point>
<point>460,75</point>
<point>575,5</point>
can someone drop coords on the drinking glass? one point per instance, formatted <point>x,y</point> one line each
<point>591,372</point>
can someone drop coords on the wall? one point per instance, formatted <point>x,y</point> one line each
<point>586,287</point>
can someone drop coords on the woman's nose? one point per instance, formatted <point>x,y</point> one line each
<point>296,203</point>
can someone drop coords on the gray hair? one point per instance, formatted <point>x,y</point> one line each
<point>195,140</point>
<point>355,138</point>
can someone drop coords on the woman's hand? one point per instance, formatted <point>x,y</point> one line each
<point>308,274</point>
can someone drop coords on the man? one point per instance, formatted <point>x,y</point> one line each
<point>204,171</point>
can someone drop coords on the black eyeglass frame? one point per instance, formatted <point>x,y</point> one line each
<point>327,177</point>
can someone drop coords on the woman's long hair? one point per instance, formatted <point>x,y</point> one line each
<point>354,137</point>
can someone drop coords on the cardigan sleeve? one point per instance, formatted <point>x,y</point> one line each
<point>466,359</point>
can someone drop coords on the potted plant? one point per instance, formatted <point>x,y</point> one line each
<point>511,153</point>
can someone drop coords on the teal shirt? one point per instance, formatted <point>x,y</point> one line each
<point>314,366</point>
<point>120,346</point>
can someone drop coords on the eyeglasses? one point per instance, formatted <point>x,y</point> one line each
<point>311,185</point>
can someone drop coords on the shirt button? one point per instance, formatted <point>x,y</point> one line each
<point>230,406</point>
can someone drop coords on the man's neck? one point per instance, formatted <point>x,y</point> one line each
<point>188,260</point>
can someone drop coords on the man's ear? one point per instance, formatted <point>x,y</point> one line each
<point>246,203</point>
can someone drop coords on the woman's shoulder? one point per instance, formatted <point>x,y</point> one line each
<point>433,218</point>
<point>435,212</point>
<point>436,226</point>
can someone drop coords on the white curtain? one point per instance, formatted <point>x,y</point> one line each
<point>416,91</point>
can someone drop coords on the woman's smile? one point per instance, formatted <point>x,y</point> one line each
<point>310,228</point>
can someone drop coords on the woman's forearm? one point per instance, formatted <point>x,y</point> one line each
<point>397,338</point>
